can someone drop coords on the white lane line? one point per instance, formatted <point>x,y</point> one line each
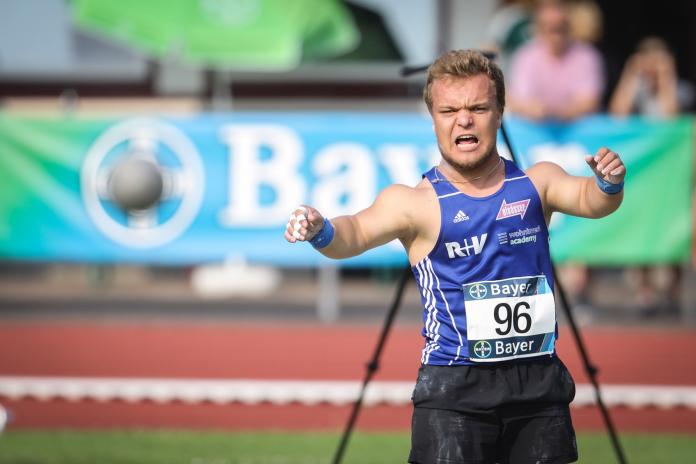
<point>311,392</point>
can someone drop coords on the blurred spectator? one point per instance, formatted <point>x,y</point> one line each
<point>510,27</point>
<point>555,76</point>
<point>558,77</point>
<point>649,86</point>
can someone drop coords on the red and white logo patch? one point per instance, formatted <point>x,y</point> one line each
<point>516,208</point>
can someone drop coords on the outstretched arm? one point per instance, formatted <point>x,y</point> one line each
<point>389,217</point>
<point>582,196</point>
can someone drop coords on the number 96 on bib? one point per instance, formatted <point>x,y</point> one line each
<point>509,318</point>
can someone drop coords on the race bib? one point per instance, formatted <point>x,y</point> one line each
<point>509,318</point>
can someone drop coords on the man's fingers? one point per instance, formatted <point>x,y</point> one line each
<point>298,234</point>
<point>314,222</point>
<point>314,218</point>
<point>300,214</point>
<point>611,166</point>
<point>589,159</point>
<point>616,174</point>
<point>293,229</point>
<point>288,234</point>
<point>302,222</point>
<point>601,153</point>
<point>605,159</point>
<point>607,165</point>
<point>297,229</point>
<point>620,171</point>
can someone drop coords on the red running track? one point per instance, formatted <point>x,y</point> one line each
<point>299,352</point>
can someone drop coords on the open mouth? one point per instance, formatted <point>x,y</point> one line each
<point>465,140</point>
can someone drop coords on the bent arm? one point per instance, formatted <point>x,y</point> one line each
<point>581,196</point>
<point>385,220</point>
<point>388,218</point>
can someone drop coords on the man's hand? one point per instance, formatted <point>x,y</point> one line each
<point>607,165</point>
<point>305,222</point>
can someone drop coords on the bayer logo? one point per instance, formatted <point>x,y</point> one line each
<point>142,183</point>
<point>482,349</point>
<point>478,291</point>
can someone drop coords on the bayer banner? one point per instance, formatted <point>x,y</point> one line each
<point>228,183</point>
<point>223,186</point>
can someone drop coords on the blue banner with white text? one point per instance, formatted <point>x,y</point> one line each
<point>227,184</point>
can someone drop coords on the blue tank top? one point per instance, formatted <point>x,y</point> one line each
<point>487,284</point>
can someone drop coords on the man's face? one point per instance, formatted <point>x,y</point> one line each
<point>466,119</point>
<point>553,27</point>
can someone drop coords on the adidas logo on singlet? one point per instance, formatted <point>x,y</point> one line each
<point>461,216</point>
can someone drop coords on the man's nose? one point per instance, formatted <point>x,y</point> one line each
<point>464,118</point>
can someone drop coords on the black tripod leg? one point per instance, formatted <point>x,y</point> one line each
<point>373,365</point>
<point>589,368</point>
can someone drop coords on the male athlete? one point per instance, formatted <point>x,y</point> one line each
<point>491,388</point>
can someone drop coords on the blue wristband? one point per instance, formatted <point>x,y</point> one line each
<point>608,187</point>
<point>325,235</point>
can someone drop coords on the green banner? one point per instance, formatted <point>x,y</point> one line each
<point>41,212</point>
<point>654,222</point>
<point>268,35</point>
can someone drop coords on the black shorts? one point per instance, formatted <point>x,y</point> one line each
<point>512,413</point>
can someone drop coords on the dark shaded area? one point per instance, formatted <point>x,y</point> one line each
<point>376,44</point>
<point>626,23</point>
<point>318,89</point>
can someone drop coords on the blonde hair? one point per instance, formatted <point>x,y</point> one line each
<point>464,63</point>
<point>586,21</point>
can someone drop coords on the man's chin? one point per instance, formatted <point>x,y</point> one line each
<point>467,161</point>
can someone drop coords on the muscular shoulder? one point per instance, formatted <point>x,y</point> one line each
<point>408,200</point>
<point>410,207</point>
<point>401,192</point>
<point>425,196</point>
<point>543,175</point>
<point>544,170</point>
<point>397,195</point>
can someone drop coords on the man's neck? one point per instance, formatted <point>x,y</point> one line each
<point>558,52</point>
<point>482,177</point>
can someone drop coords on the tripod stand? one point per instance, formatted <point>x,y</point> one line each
<point>373,364</point>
